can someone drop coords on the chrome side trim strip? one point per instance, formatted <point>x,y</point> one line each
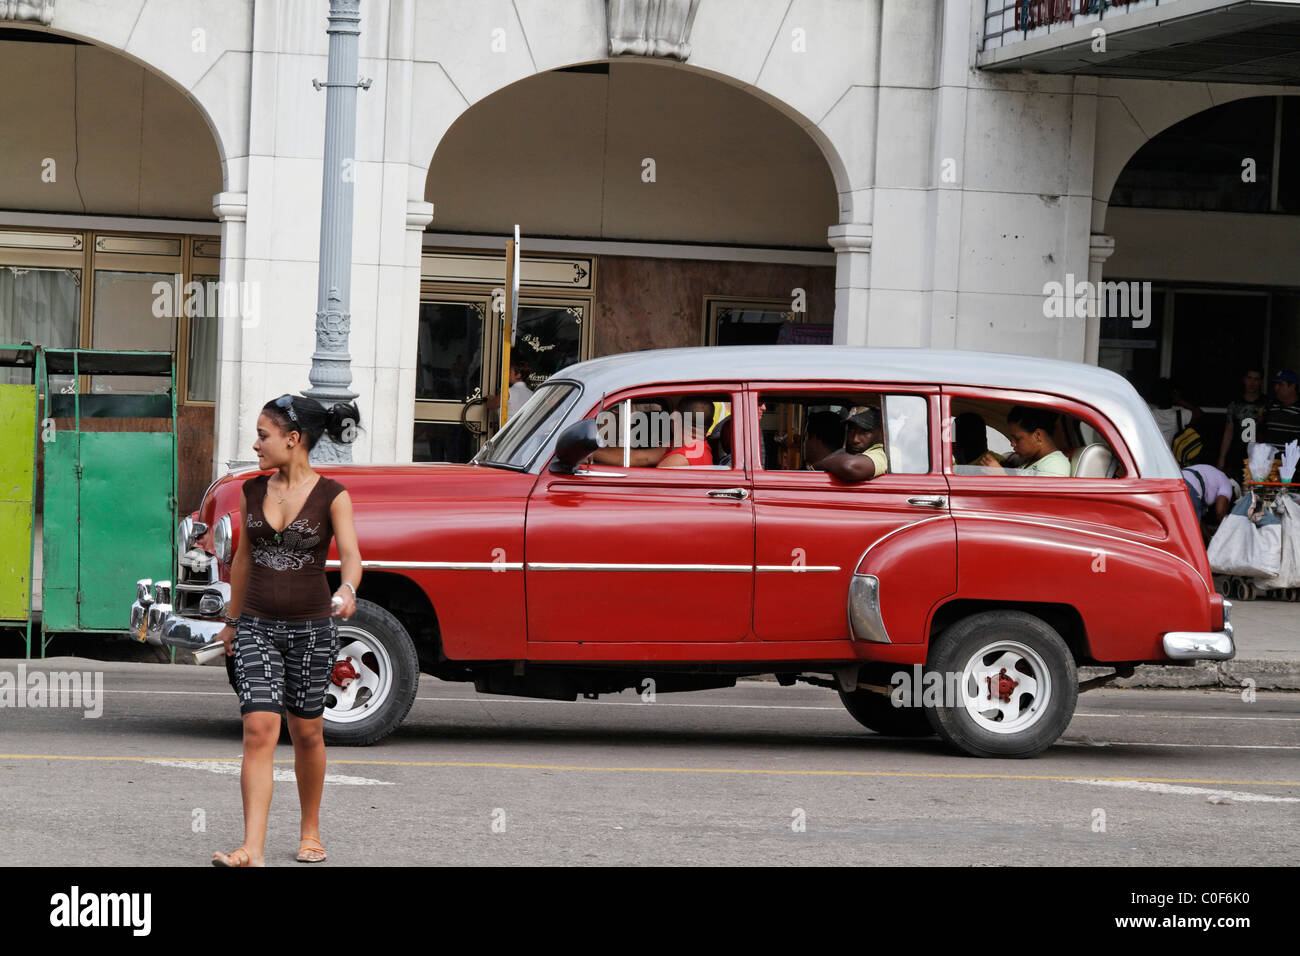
<point>439,565</point>
<point>796,570</point>
<point>578,566</point>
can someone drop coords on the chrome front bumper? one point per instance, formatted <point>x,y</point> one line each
<point>154,621</point>
<point>1202,645</point>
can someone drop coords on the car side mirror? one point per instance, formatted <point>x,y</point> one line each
<point>574,444</point>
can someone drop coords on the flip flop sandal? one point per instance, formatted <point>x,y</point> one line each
<point>303,847</point>
<point>239,855</point>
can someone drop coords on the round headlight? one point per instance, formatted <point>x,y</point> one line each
<point>183,535</point>
<point>221,536</point>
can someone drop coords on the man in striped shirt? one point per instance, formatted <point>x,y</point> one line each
<point>1282,417</point>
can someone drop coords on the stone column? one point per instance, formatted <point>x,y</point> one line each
<point>231,210</point>
<point>852,244</point>
<point>1100,248</point>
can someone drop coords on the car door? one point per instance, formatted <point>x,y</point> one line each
<point>629,555</point>
<point>814,531</point>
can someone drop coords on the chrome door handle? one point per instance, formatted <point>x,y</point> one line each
<point>929,501</point>
<point>739,494</point>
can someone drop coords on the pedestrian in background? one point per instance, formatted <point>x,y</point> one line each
<point>1249,407</point>
<point>1282,416</point>
<point>281,636</point>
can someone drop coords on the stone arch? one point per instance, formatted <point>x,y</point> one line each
<point>782,121</point>
<point>1127,129</point>
<point>426,139</point>
<point>221,114</point>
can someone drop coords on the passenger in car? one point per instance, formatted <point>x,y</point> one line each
<point>863,436</point>
<point>861,458</point>
<point>823,436</point>
<point>649,457</point>
<point>695,414</point>
<point>970,440</point>
<point>1030,431</point>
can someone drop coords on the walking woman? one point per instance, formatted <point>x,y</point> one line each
<point>281,637</point>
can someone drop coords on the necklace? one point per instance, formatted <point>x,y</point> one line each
<point>281,499</point>
<point>289,489</point>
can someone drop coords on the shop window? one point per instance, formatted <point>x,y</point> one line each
<point>124,319</point>
<point>41,306</point>
<point>762,322</point>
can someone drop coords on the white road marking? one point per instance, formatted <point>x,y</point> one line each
<point>231,768</point>
<point>1148,787</point>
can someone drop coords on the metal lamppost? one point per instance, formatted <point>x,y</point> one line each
<point>331,365</point>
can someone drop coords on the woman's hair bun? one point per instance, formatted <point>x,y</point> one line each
<point>343,421</point>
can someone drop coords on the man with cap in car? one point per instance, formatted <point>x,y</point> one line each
<point>863,456</point>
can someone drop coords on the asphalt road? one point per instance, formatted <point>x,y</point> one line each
<point>759,774</point>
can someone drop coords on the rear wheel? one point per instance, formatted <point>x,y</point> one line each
<point>1014,684</point>
<point>375,677</point>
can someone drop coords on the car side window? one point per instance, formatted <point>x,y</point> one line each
<point>828,431</point>
<point>673,430</point>
<point>998,438</point>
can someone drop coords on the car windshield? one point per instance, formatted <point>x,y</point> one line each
<point>524,434</point>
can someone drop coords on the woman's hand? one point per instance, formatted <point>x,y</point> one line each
<point>227,636</point>
<point>349,605</point>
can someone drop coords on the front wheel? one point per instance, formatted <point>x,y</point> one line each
<point>375,676</point>
<point>1010,685</point>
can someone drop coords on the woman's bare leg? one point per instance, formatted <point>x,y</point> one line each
<point>256,780</point>
<point>309,768</point>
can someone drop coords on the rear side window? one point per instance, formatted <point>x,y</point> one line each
<point>1029,440</point>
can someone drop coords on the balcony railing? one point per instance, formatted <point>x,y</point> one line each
<point>1006,21</point>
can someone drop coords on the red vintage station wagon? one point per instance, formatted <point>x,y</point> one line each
<point>944,537</point>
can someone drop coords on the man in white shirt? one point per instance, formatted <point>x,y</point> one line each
<point>519,390</point>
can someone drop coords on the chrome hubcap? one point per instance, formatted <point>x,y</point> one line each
<point>1006,687</point>
<point>366,692</point>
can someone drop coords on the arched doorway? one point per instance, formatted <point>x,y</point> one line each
<point>659,206</point>
<point>1206,214</point>
<point>106,186</point>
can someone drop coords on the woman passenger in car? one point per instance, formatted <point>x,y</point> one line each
<point>695,413</point>
<point>1030,431</point>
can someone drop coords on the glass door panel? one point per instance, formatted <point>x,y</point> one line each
<point>548,339</point>
<point>449,364</point>
<point>124,318</point>
<point>451,378</point>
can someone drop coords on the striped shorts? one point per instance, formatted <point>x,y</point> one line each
<point>283,665</point>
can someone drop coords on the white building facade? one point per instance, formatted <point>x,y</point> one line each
<point>684,172</point>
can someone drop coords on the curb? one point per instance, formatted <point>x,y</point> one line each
<point>1267,675</point>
